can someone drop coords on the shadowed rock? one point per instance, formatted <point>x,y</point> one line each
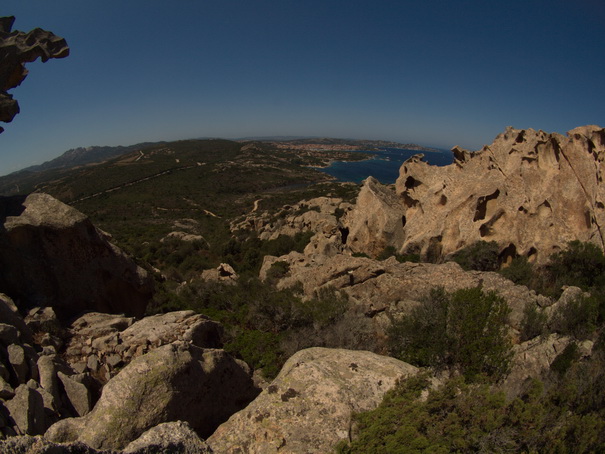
<point>52,255</point>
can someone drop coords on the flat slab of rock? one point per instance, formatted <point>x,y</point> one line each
<point>308,407</point>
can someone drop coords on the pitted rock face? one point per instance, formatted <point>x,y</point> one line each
<point>530,191</point>
<point>16,49</point>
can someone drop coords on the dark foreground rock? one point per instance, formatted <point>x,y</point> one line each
<point>75,266</point>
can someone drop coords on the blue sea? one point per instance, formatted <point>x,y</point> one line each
<point>384,166</point>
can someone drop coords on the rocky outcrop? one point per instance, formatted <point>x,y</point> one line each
<point>382,223</point>
<point>320,215</point>
<point>52,255</point>
<point>530,191</point>
<point>532,361</point>
<point>102,344</point>
<point>35,389</point>
<point>308,407</point>
<point>315,215</point>
<point>382,289</point>
<point>16,49</point>
<point>223,273</point>
<point>41,384</point>
<point>174,382</point>
<point>166,438</point>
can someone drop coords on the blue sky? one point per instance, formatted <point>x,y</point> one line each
<point>439,73</point>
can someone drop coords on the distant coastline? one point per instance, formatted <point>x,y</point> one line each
<point>383,165</point>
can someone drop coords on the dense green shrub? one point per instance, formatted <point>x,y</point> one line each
<point>480,256</point>
<point>259,349</point>
<point>520,271</point>
<point>533,323</point>
<point>277,271</point>
<point>581,265</point>
<point>466,330</point>
<point>578,317</point>
<point>460,418</point>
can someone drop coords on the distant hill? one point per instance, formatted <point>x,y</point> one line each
<point>32,177</point>
<point>86,155</point>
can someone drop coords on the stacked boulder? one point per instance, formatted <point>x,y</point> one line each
<point>37,388</point>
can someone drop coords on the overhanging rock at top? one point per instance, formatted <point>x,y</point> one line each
<point>16,49</point>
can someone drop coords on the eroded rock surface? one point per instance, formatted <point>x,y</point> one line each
<point>75,266</point>
<point>308,407</point>
<point>530,191</point>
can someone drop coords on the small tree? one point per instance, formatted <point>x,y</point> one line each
<point>466,330</point>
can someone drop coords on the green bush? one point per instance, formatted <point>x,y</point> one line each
<point>259,349</point>
<point>277,271</point>
<point>460,418</point>
<point>581,265</point>
<point>480,256</point>
<point>533,323</point>
<point>466,330</point>
<point>578,317</point>
<point>520,271</point>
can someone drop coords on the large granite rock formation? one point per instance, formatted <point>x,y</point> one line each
<point>16,49</point>
<point>308,407</point>
<point>529,191</point>
<point>52,255</point>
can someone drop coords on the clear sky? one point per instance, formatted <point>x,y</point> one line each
<point>433,72</point>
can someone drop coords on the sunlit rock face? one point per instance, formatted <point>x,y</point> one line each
<point>530,191</point>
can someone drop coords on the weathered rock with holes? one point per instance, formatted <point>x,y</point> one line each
<point>308,407</point>
<point>529,191</point>
<point>69,258</point>
<point>173,382</point>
